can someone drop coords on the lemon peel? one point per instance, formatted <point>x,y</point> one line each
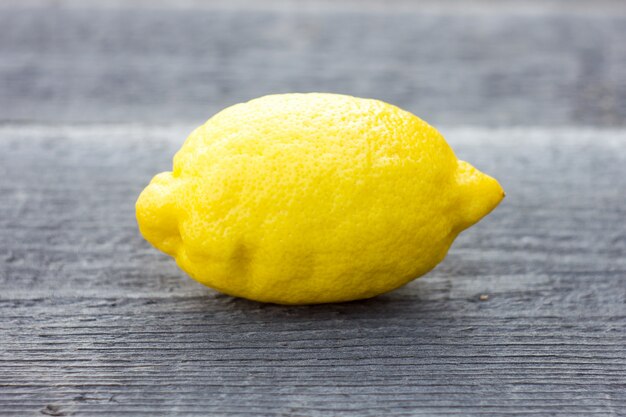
<point>312,198</point>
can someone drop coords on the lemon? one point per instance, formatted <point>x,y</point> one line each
<point>312,198</point>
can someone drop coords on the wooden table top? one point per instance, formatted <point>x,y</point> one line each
<point>526,316</point>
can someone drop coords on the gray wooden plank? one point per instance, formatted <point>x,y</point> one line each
<point>93,321</point>
<point>540,64</point>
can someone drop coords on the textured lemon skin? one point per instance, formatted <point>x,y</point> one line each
<point>312,198</point>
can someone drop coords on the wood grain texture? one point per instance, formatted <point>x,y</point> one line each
<point>93,321</point>
<point>478,63</point>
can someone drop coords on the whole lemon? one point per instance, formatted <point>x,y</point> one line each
<point>312,198</point>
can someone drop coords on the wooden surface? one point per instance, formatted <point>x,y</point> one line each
<point>526,316</point>
<point>480,63</point>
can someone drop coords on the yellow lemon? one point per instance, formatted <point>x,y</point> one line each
<point>312,198</point>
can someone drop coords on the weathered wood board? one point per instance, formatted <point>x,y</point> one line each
<point>95,321</point>
<point>479,63</point>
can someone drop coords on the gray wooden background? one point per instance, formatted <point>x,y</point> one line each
<point>95,97</point>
